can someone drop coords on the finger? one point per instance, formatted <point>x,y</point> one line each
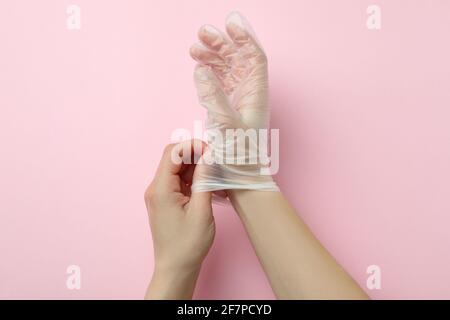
<point>212,97</point>
<point>176,156</point>
<point>216,41</point>
<point>205,56</point>
<point>200,199</point>
<point>188,152</point>
<point>230,71</point>
<point>167,165</point>
<point>166,179</point>
<point>187,174</point>
<point>212,59</point>
<point>220,67</point>
<point>194,149</point>
<point>242,35</point>
<point>185,189</point>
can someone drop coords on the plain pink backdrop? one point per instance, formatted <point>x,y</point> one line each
<point>84,115</point>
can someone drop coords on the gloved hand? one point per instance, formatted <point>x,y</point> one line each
<point>232,84</point>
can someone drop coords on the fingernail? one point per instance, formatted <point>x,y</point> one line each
<point>236,19</point>
<point>211,30</point>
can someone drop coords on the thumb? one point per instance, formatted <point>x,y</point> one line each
<point>200,198</point>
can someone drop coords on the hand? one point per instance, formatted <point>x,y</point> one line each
<point>182,225</point>
<point>233,70</point>
<point>231,81</point>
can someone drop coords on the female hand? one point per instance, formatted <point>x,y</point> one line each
<point>182,224</point>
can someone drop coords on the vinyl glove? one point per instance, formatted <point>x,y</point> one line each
<point>231,81</point>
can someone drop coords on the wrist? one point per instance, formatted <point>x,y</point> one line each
<point>253,203</point>
<point>241,199</point>
<point>172,283</point>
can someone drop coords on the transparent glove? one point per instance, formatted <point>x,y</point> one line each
<point>231,81</point>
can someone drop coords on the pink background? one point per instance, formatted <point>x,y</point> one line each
<point>365,140</point>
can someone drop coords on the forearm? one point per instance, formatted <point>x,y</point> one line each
<point>171,285</point>
<point>297,265</point>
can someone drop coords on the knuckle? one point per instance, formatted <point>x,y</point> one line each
<point>155,198</point>
<point>168,148</point>
<point>149,193</point>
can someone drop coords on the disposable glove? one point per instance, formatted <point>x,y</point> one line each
<point>231,81</point>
